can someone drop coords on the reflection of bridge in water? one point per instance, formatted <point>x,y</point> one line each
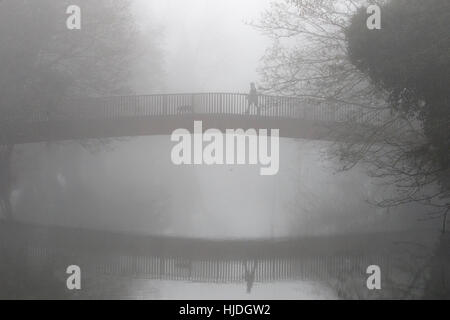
<point>215,261</point>
<point>162,114</point>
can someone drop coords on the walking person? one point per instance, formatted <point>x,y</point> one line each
<point>252,98</point>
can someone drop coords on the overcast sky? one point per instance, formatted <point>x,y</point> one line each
<point>207,44</point>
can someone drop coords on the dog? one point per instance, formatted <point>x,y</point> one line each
<point>185,109</point>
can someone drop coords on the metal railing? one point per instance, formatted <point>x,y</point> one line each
<point>213,269</point>
<point>217,104</point>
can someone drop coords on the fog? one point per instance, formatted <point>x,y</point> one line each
<point>208,45</point>
<point>132,186</point>
<point>87,175</point>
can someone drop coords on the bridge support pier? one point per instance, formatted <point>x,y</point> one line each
<point>6,152</point>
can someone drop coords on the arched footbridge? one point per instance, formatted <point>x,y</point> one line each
<point>140,115</point>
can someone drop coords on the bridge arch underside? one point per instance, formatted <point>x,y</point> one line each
<point>45,131</point>
<point>170,258</point>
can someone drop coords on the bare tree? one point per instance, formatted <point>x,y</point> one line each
<point>43,64</point>
<point>310,59</point>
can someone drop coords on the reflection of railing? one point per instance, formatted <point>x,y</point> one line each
<point>320,268</point>
<point>193,103</point>
<point>161,257</point>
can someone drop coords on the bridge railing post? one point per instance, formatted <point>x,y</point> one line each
<point>162,266</point>
<point>165,105</point>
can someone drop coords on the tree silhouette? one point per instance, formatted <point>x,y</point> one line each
<point>43,63</point>
<point>323,51</point>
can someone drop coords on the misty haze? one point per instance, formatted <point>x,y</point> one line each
<point>88,107</point>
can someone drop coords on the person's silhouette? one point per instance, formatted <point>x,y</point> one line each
<point>252,98</point>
